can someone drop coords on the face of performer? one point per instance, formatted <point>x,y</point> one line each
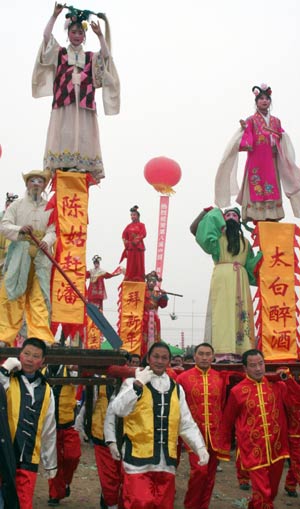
<point>255,368</point>
<point>204,357</point>
<point>31,359</point>
<point>76,35</point>
<point>159,360</point>
<point>232,215</point>
<point>35,186</point>
<point>134,217</point>
<point>177,361</point>
<point>135,361</point>
<point>263,103</point>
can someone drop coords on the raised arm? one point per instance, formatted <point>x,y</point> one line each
<point>97,30</point>
<point>49,27</point>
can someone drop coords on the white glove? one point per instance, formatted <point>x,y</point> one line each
<point>143,375</point>
<point>203,456</point>
<point>12,364</point>
<point>3,344</point>
<point>50,474</point>
<point>114,451</point>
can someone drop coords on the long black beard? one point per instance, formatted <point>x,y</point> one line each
<point>234,234</point>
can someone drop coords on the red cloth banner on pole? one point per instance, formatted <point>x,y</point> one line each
<point>162,234</point>
<point>131,312</point>
<point>70,205</point>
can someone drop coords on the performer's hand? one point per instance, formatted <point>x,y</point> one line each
<point>96,28</point>
<point>143,375</point>
<point>114,451</point>
<point>284,373</point>
<point>43,245</point>
<point>57,9</point>
<point>12,364</point>
<point>51,473</point>
<point>26,229</point>
<point>203,456</point>
<point>243,124</point>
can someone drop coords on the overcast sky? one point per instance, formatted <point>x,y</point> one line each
<point>186,70</point>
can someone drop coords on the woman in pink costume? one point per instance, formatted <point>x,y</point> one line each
<point>270,163</point>
<point>134,248</point>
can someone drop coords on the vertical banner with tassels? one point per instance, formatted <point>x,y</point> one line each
<point>162,234</point>
<point>277,311</point>
<point>131,313</point>
<point>70,203</point>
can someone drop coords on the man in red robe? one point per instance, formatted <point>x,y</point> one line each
<point>256,408</point>
<point>205,395</point>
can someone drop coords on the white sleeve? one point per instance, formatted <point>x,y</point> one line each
<point>8,225</point>
<point>125,401</point>
<point>4,380</point>
<point>50,235</point>
<point>188,429</point>
<point>110,423</point>
<point>48,438</point>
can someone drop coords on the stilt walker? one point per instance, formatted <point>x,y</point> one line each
<point>72,150</point>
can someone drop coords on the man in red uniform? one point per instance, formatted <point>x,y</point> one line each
<point>255,408</point>
<point>205,394</point>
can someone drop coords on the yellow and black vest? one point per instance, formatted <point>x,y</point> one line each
<point>26,420</point>
<point>153,424</point>
<point>65,398</point>
<point>105,392</point>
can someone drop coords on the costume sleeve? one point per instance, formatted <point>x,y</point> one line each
<point>209,231</point>
<point>226,184</point>
<point>246,143</point>
<point>48,29</point>
<point>7,226</point>
<point>45,68</point>
<point>188,429</point>
<point>125,401</point>
<point>4,378</point>
<point>105,75</point>
<point>50,235</point>
<point>228,421</point>
<point>251,265</point>
<point>110,423</point>
<point>48,438</point>
<point>163,300</point>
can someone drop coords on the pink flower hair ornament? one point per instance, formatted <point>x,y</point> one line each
<point>262,89</point>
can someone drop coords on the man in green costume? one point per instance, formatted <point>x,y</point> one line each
<point>229,321</point>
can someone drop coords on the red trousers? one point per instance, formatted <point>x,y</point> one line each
<point>293,475</point>
<point>242,475</point>
<point>151,490</point>
<point>25,481</point>
<point>201,481</point>
<point>265,482</point>
<point>68,456</point>
<point>110,475</point>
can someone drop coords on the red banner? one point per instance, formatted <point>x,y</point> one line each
<point>162,234</point>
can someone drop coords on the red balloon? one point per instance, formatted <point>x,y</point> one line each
<point>162,171</point>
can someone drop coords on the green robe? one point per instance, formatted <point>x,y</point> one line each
<point>229,321</point>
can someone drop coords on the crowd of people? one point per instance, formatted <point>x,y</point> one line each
<point>140,428</point>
